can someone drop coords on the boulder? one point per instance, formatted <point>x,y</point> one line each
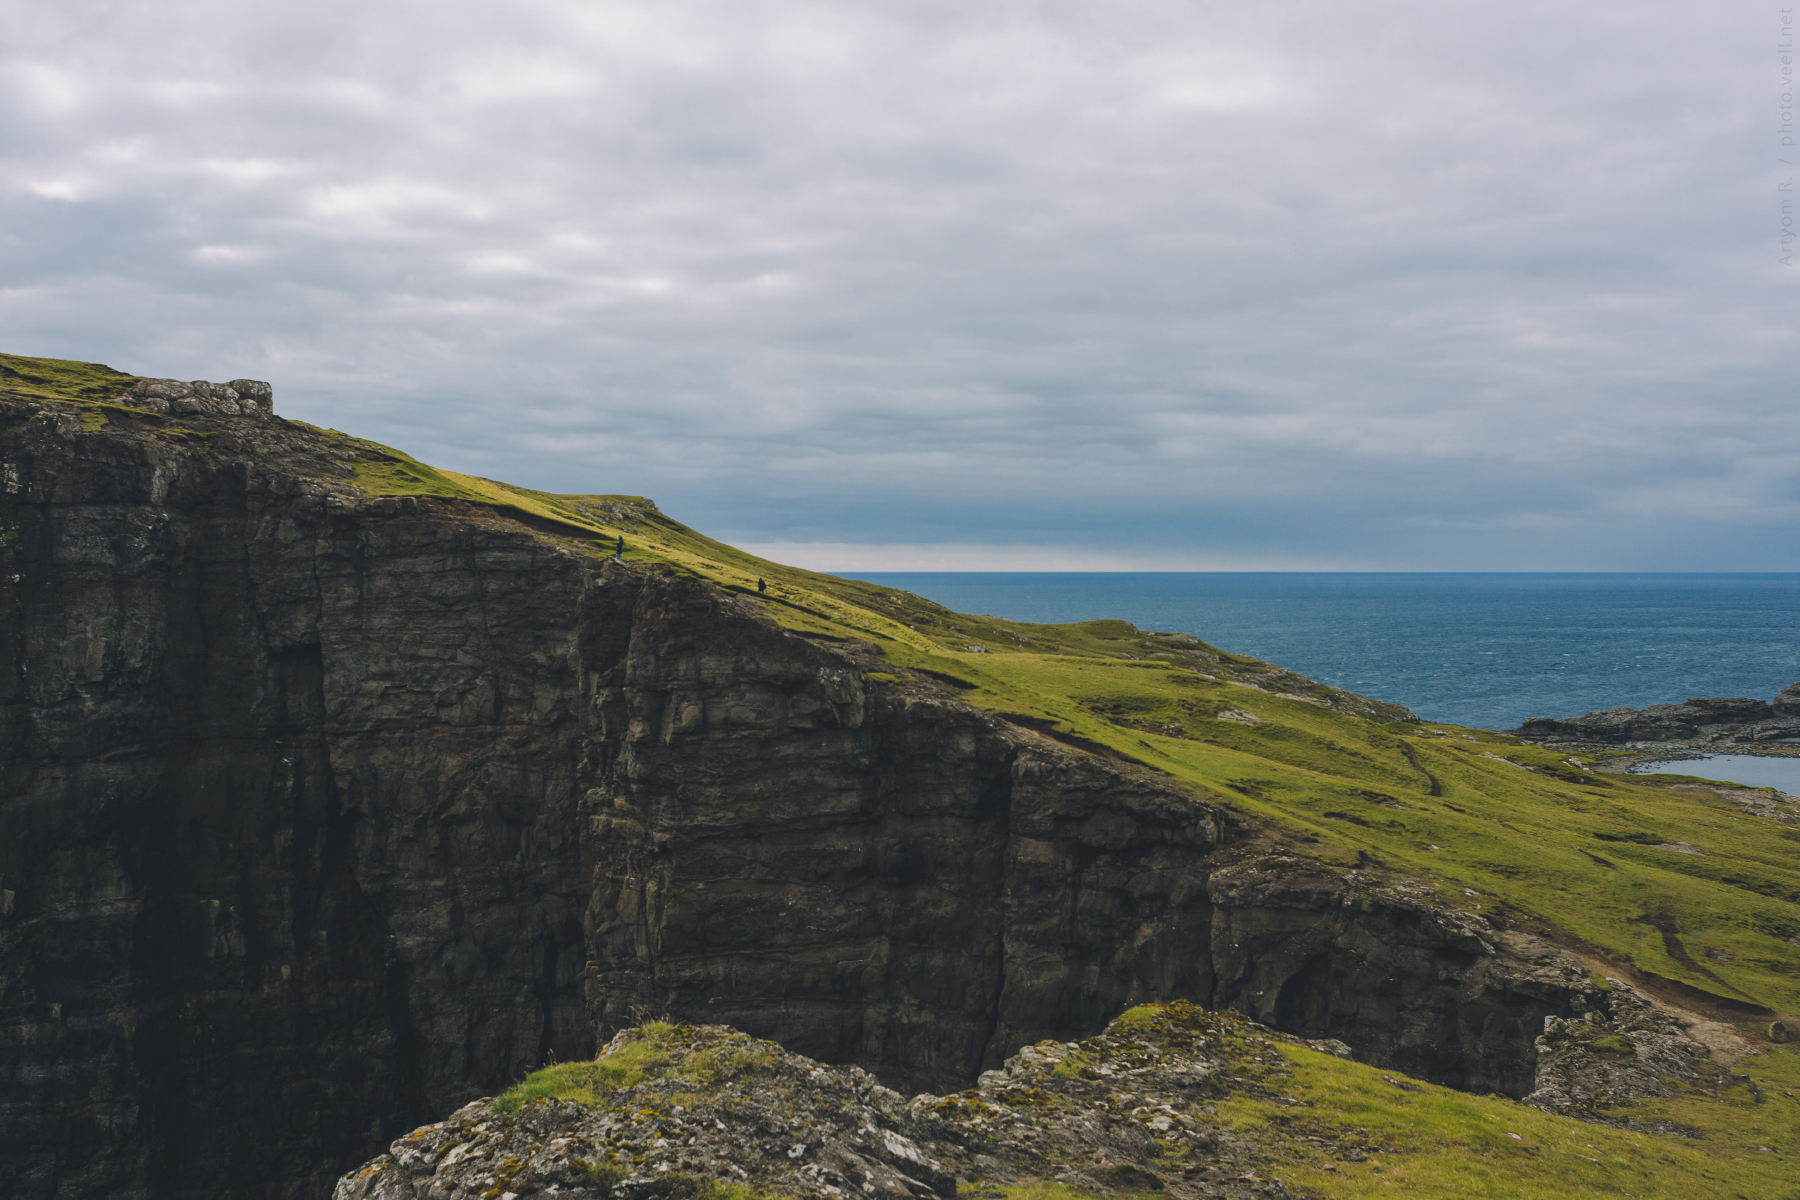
<point>239,398</point>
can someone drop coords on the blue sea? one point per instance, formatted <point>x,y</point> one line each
<point>1486,650</point>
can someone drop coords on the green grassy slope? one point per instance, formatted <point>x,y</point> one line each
<point>1534,835</point>
<point>1509,830</point>
<point>1504,829</point>
<point>1425,1140</point>
<point>62,379</point>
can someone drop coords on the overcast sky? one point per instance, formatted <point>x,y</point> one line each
<point>1125,284</point>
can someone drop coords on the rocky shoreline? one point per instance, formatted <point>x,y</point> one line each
<point>1694,728</point>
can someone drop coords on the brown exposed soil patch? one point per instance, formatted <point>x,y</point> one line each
<point>1664,923</point>
<point>1074,740</point>
<point>1437,789</point>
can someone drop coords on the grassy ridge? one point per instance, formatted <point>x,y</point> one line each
<point>1500,827</point>
<point>62,379</point>
<point>1534,833</point>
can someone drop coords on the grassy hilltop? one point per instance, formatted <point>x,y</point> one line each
<point>1681,886</point>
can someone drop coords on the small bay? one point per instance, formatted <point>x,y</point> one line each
<point>1487,650</point>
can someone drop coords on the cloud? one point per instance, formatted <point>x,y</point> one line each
<point>1381,283</point>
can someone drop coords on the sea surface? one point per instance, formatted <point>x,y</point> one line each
<point>1487,650</point>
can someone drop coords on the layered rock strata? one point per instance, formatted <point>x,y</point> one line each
<point>322,814</point>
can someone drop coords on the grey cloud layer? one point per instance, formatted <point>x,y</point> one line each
<point>1383,284</point>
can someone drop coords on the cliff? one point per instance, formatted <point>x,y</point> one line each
<point>327,811</point>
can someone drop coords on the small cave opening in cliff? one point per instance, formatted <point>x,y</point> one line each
<point>1304,1004</point>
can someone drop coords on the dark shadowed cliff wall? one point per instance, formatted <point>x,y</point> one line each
<point>323,814</point>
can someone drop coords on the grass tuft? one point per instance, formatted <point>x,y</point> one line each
<point>62,379</point>
<point>591,1082</point>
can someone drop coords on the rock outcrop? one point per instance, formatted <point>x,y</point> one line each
<point>239,398</point>
<point>1712,724</point>
<point>323,814</point>
<point>1130,1110</point>
<point>1619,1049</point>
<point>673,1111</point>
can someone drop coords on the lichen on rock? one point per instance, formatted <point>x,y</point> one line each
<point>239,398</point>
<point>709,1112</point>
<point>1622,1050</point>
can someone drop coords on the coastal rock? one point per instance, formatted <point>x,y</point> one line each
<point>1710,723</point>
<point>1787,704</point>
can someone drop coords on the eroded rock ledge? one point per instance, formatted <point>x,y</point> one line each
<point>672,1112</point>
<point>1621,1047</point>
<point>322,815</point>
<point>1130,1110</point>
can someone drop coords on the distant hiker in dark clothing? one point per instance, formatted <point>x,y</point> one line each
<point>619,550</point>
<point>761,587</point>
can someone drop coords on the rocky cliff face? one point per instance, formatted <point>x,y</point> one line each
<point>322,815</point>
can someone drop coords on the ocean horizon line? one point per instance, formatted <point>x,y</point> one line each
<point>1481,648</point>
